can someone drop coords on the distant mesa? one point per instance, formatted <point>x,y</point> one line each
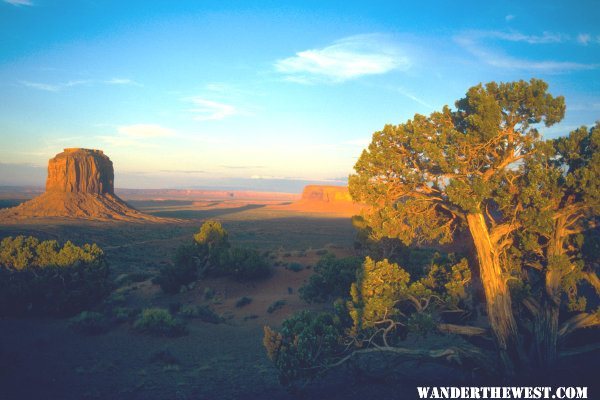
<point>329,199</point>
<point>80,184</point>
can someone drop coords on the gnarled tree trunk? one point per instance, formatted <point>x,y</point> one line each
<point>546,322</point>
<point>499,305</point>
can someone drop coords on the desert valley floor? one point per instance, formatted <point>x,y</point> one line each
<point>44,358</point>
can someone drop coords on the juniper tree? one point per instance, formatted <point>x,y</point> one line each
<point>425,178</point>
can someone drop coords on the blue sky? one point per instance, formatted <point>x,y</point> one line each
<point>264,94</point>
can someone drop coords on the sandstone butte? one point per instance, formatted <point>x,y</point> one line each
<point>80,185</point>
<point>326,199</point>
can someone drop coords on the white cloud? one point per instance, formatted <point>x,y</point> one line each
<point>51,87</point>
<point>584,38</point>
<point>345,59</point>
<point>19,2</point>
<point>509,17</point>
<point>41,86</point>
<point>141,131</point>
<point>513,36</point>
<point>499,60</point>
<point>207,110</point>
<point>121,81</point>
<point>57,87</point>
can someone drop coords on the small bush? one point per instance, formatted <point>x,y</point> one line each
<point>244,301</point>
<point>89,323</point>
<point>209,293</point>
<point>276,306</point>
<point>333,278</point>
<point>122,314</point>
<point>321,252</point>
<point>203,313</point>
<point>245,264</point>
<point>296,267</point>
<point>182,271</point>
<point>42,278</point>
<point>158,321</point>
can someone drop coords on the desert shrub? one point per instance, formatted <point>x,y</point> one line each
<point>321,252</point>
<point>134,277</point>
<point>210,254</point>
<point>213,235</point>
<point>209,293</point>
<point>276,306</point>
<point>294,266</point>
<point>244,264</point>
<point>122,314</point>
<point>203,313</point>
<point>158,321</point>
<point>332,278</point>
<point>244,301</point>
<point>42,278</point>
<point>306,339</point>
<point>182,271</point>
<point>89,322</point>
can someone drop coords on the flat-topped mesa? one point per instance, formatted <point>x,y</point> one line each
<point>327,194</point>
<point>77,170</point>
<point>80,185</point>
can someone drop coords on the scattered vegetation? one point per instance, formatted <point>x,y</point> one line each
<point>210,254</point>
<point>89,323</point>
<point>244,301</point>
<point>204,313</point>
<point>332,278</point>
<point>158,321</point>
<point>295,267</point>
<point>527,205</point>
<point>276,306</point>
<point>42,278</point>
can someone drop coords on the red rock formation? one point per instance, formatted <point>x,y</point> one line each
<point>80,184</point>
<point>326,199</point>
<point>81,171</point>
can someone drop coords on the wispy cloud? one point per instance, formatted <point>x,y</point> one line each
<point>242,166</point>
<point>345,59</point>
<point>584,38</point>
<point>41,86</point>
<point>472,43</point>
<point>143,131</point>
<point>57,87</point>
<point>121,81</point>
<point>208,110</point>
<point>182,171</point>
<point>19,2</point>
<point>509,17</point>
<point>544,38</point>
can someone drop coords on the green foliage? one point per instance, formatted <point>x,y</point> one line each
<point>210,254</point>
<point>305,340</point>
<point>204,313</point>
<point>295,267</point>
<point>332,278</point>
<point>421,176</point>
<point>243,264</point>
<point>276,306</point>
<point>158,321</point>
<point>42,278</point>
<point>212,235</point>
<point>184,269</point>
<point>89,322</point>
<point>243,301</point>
